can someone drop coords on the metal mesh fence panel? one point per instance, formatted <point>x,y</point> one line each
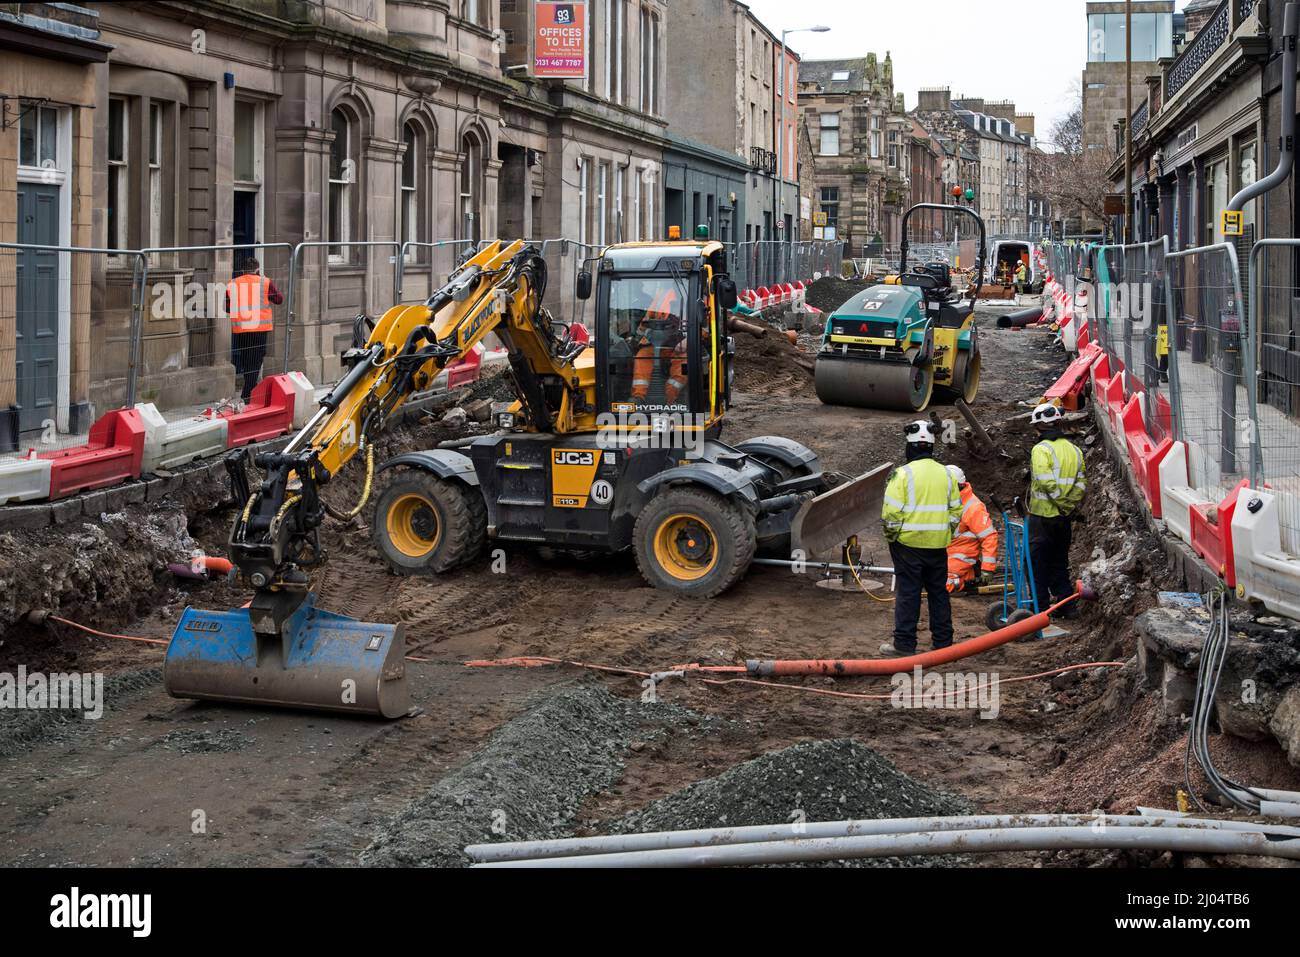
<point>1212,404</point>
<point>192,336</point>
<point>67,355</point>
<point>1275,314</point>
<point>424,266</point>
<point>1102,321</point>
<point>333,284</point>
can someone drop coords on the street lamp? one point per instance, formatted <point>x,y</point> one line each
<point>779,205</point>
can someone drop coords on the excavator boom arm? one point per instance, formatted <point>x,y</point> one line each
<point>499,290</point>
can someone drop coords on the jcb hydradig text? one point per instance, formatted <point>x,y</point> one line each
<point>608,446</point>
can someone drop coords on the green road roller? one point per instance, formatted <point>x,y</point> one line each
<point>896,344</point>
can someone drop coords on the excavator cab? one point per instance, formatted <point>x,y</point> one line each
<point>661,343</point>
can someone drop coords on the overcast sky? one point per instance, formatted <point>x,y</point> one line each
<point>1029,51</point>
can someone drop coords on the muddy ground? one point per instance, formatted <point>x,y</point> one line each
<point>502,752</point>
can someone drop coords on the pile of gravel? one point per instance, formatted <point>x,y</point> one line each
<point>525,783</point>
<point>817,781</point>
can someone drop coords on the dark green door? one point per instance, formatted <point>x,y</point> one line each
<point>38,306</point>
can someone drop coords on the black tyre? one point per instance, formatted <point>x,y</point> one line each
<point>425,524</point>
<point>966,376</point>
<point>693,541</point>
<point>993,617</point>
<point>1023,614</point>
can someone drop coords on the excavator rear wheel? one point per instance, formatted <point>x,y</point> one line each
<point>693,541</point>
<point>428,524</point>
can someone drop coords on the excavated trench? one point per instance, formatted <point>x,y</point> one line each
<point>510,754</point>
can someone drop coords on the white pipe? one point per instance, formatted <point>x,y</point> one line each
<point>1271,794</point>
<point>764,833</point>
<point>1184,840</point>
<point>1269,805</point>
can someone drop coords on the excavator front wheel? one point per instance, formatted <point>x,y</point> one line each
<point>693,541</point>
<point>427,524</point>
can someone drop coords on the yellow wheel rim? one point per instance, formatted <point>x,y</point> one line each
<point>413,525</point>
<point>685,547</point>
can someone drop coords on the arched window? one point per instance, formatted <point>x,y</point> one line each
<point>341,214</point>
<point>411,209</point>
<point>471,187</point>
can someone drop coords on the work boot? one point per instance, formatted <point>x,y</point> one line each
<point>887,650</point>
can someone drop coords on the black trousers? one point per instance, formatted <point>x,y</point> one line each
<point>914,569</point>
<point>1049,554</point>
<point>247,352</point>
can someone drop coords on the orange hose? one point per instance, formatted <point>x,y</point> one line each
<point>105,634</point>
<point>891,666</point>
<point>214,565</point>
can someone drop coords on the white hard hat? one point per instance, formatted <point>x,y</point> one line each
<point>1045,414</point>
<point>958,475</point>
<point>919,432</point>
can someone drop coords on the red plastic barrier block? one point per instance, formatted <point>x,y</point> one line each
<point>1144,454</point>
<point>269,413</point>
<point>1212,534</point>
<point>1101,371</point>
<point>1114,394</point>
<point>1084,336</point>
<point>113,454</point>
<point>464,372</point>
<point>1164,415</point>
<point>1069,388</point>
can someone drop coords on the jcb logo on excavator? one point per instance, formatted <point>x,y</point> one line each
<point>575,458</point>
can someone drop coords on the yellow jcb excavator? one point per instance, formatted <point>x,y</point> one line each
<point>609,446</point>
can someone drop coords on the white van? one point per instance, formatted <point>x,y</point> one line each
<point>1004,256</point>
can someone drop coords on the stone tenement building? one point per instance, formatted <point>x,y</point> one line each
<point>1003,141</point>
<point>862,140</point>
<point>250,123</point>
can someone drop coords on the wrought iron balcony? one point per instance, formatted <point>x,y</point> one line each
<point>761,160</point>
<point>1213,35</point>
<point>1140,116</point>
<point>1245,8</point>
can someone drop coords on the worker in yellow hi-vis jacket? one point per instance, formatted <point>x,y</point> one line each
<point>921,512</point>
<point>1057,487</point>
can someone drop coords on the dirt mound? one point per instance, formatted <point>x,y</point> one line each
<point>774,365</point>
<point>105,573</point>
<point>817,781</point>
<point>830,292</point>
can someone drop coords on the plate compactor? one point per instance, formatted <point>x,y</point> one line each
<point>893,345</point>
<point>610,446</point>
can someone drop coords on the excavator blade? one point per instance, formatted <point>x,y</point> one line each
<point>826,522</point>
<point>319,661</point>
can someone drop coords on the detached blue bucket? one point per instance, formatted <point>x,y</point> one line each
<point>320,661</point>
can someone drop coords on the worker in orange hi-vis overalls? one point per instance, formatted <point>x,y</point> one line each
<point>973,554</point>
<point>249,297</point>
<point>661,356</point>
